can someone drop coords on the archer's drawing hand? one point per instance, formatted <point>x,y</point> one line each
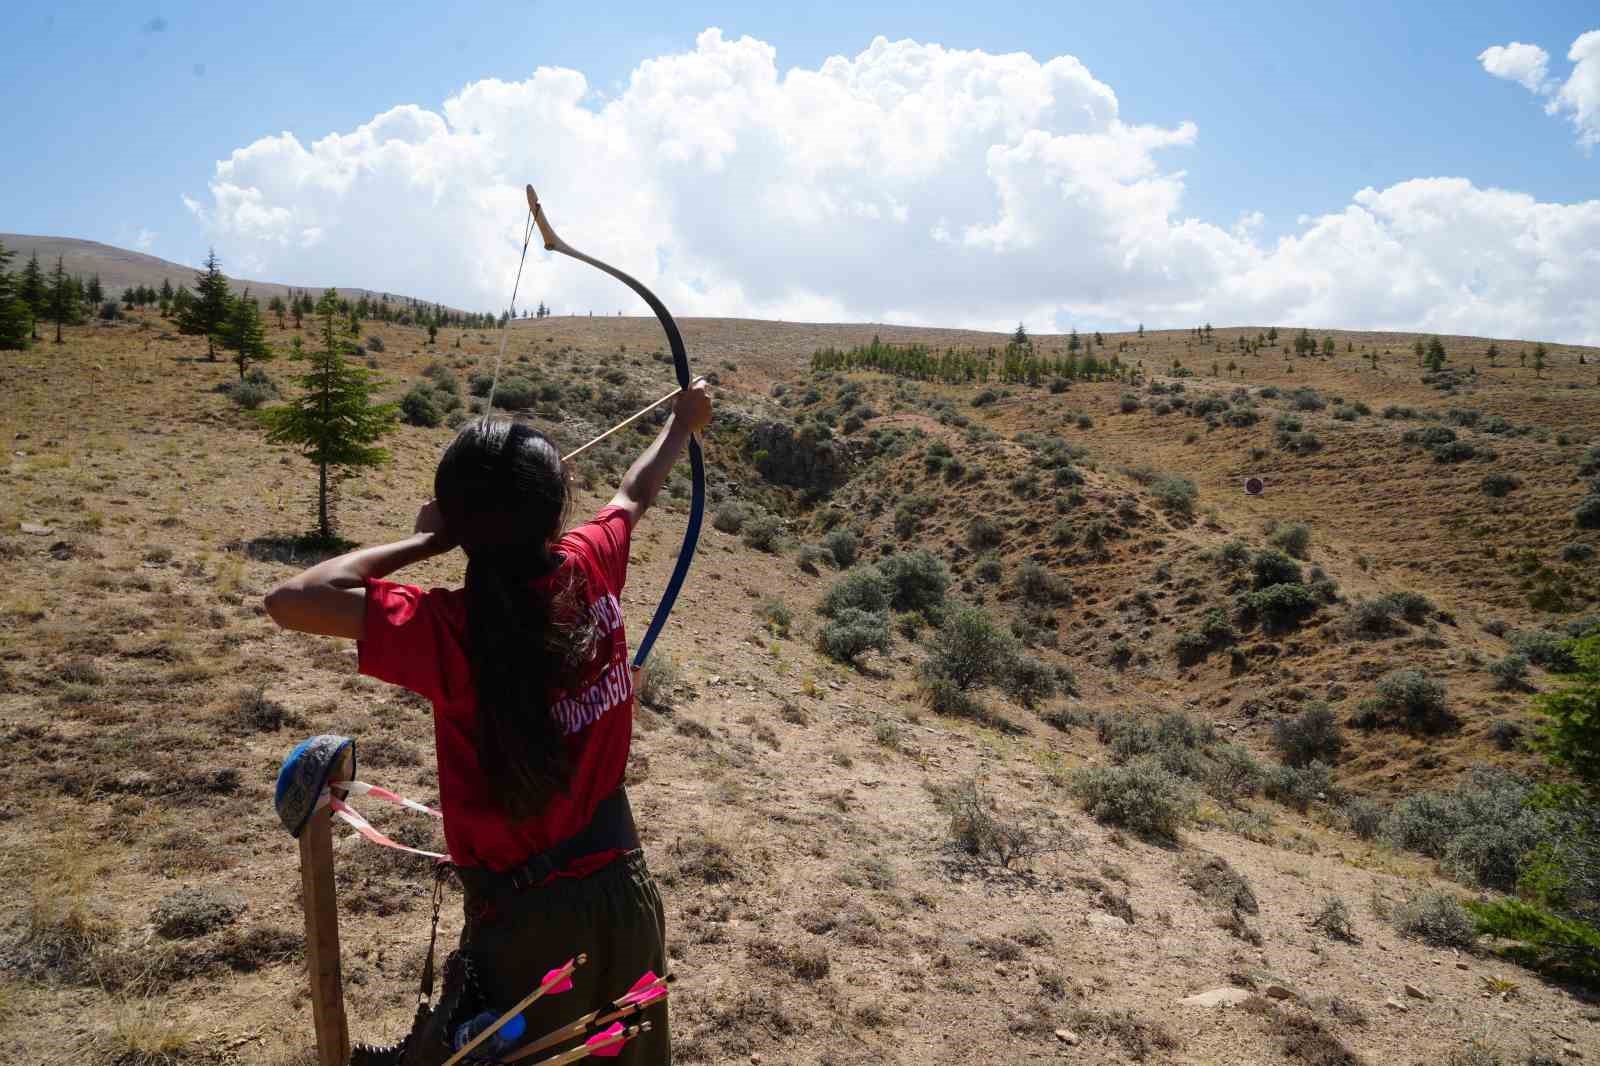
<point>692,408</point>
<point>430,520</point>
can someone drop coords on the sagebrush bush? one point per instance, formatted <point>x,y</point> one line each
<point>1141,796</point>
<point>1030,681</point>
<point>918,581</point>
<point>970,649</point>
<point>983,533</point>
<point>1233,555</point>
<point>844,546</point>
<point>1313,734</point>
<point>515,394</point>
<point>1587,513</point>
<point>730,517</point>
<point>1511,672</point>
<point>1547,648</point>
<point>862,588</point>
<point>1577,552</point>
<point>1294,539</point>
<point>1414,607</point>
<point>851,633</point>
<point>762,532</point>
<point>1363,816</point>
<point>1298,786</point>
<point>1037,585</point>
<point>1499,485</point>
<point>1412,693</point>
<point>419,408</point>
<point>250,396</point>
<point>1435,917</point>
<point>1280,606</point>
<point>1176,494</point>
<point>1129,403</point>
<point>1273,567</point>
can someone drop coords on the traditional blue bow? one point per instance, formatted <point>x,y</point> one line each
<point>697,466</point>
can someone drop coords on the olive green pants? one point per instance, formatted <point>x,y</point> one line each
<point>512,939</point>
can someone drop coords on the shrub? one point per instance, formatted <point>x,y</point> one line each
<point>1364,817</point>
<point>1307,400</point>
<point>983,533</point>
<point>1037,585</point>
<point>1587,514</point>
<point>1030,681</point>
<point>1288,424</point>
<point>1499,485</point>
<point>730,517</point>
<point>988,569</point>
<point>976,828</point>
<point>946,697</point>
<point>1219,884</point>
<point>1577,552</point>
<point>250,395</point>
<point>863,588</point>
<point>1298,787</point>
<point>1428,436</point>
<point>763,532</point>
<point>1414,607</point>
<point>1413,694</point>
<point>1504,734</point>
<point>1129,403</point>
<point>1233,555</point>
<point>374,343</point>
<point>657,681</point>
<point>419,409</point>
<point>1176,494</point>
<point>844,546</point>
<point>852,632</point>
<point>1280,606</point>
<point>515,394</point>
<point>1141,796</point>
<point>970,650</point>
<point>1309,736</point>
<point>776,615</point>
<point>1547,649</point>
<point>1435,917</point>
<point>1293,539</point>
<point>1562,947</point>
<point>1273,567</point>
<point>918,581</point>
<point>1333,920</point>
<point>1511,672</point>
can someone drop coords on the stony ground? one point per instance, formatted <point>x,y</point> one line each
<point>797,812</point>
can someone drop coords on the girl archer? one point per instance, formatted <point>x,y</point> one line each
<point>526,666</point>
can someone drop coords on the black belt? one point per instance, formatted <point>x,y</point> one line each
<point>610,829</point>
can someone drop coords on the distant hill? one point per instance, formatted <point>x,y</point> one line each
<point>120,268</point>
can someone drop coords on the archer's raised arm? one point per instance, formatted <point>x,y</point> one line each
<point>691,413</point>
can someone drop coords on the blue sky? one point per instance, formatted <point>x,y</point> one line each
<point>118,112</point>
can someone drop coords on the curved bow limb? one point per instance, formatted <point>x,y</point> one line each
<point>680,362</point>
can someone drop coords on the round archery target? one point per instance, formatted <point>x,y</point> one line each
<point>1254,486</point>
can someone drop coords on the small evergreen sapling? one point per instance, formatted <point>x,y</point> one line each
<point>334,422</point>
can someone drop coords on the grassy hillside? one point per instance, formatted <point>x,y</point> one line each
<point>851,875</point>
<point>120,268</point>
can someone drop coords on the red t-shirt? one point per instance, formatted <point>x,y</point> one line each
<point>418,640</point>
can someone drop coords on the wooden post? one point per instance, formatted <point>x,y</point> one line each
<point>322,941</point>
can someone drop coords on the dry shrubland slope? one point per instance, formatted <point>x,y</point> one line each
<point>1088,817</point>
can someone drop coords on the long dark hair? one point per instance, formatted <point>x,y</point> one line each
<point>504,497</point>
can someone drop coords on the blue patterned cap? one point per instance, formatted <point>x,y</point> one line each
<point>305,774</point>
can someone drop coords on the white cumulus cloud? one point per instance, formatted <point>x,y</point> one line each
<point>1577,98</point>
<point>1526,64</point>
<point>908,183</point>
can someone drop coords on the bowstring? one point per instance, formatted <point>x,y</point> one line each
<point>505,334</point>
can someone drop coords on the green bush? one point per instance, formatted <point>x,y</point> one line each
<point>1364,817</point>
<point>1029,681</point>
<point>1414,607</point>
<point>850,633</point>
<point>1562,948</point>
<point>419,408</point>
<point>1279,606</point>
<point>1037,585</point>
<point>1548,649</point>
<point>1129,403</point>
<point>970,650</point>
<point>1309,736</point>
<point>1298,786</point>
<point>1142,797</point>
<point>763,532</point>
<point>730,517</point>
<point>1511,672</point>
<point>1499,485</point>
<point>863,588</point>
<point>1435,917</point>
<point>1587,514</point>
<point>1414,695</point>
<point>1273,567</point>
<point>250,395</point>
<point>918,581</point>
<point>988,569</point>
<point>1233,555</point>
<point>983,533</point>
<point>515,394</point>
<point>844,546</point>
<point>776,615</point>
<point>1176,494</point>
<point>1293,539</point>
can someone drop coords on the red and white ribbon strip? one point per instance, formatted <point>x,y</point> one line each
<point>361,788</point>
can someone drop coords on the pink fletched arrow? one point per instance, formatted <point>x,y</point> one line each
<point>647,988</point>
<point>607,1043</point>
<point>645,991</point>
<point>557,980</point>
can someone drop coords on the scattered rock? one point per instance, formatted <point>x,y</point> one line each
<point>35,529</point>
<point>1218,997</point>
<point>1110,921</point>
<point>1396,1005</point>
<point>1462,966</point>
<point>1067,1037</point>
<point>1416,993</point>
<point>1277,992</point>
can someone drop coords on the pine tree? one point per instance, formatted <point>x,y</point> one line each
<point>1420,350</point>
<point>245,335</point>
<point>276,306</point>
<point>1073,343</point>
<point>333,422</point>
<point>16,318</point>
<point>129,298</point>
<point>1494,352</point>
<point>34,292</point>
<point>1539,352</point>
<point>166,290</point>
<point>1436,356</point>
<point>1020,336</point>
<point>65,303</point>
<point>208,312</point>
<point>96,295</point>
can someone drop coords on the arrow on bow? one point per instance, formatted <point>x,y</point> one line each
<point>680,362</point>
